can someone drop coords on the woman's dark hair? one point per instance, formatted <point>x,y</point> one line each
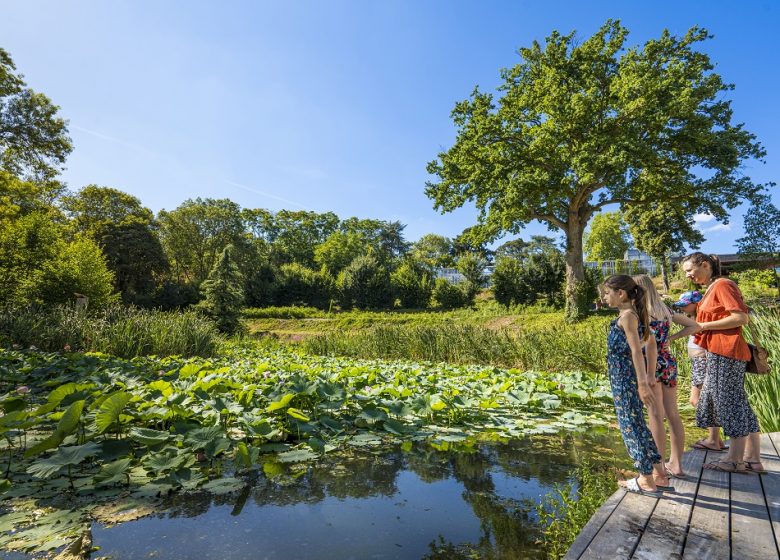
<point>698,258</point>
<point>636,294</point>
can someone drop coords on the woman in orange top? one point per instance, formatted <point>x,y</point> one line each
<point>723,401</point>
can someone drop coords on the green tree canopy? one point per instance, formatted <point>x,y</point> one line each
<point>92,208</point>
<point>762,228</point>
<point>339,249</point>
<point>34,140</point>
<point>127,233</point>
<point>582,124</point>
<point>195,234</point>
<point>433,251</point>
<point>607,237</point>
<point>293,235</point>
<point>662,229</point>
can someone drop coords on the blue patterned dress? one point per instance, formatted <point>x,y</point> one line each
<point>628,407</point>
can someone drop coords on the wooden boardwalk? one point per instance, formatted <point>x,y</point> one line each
<point>711,515</point>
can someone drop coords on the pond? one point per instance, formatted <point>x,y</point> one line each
<point>477,502</point>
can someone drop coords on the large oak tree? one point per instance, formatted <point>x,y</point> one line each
<point>578,126</point>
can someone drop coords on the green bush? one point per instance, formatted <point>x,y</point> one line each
<point>298,285</point>
<point>507,288</point>
<point>126,332</point>
<point>756,283</point>
<point>447,295</point>
<point>412,285</point>
<point>80,267</point>
<point>364,284</point>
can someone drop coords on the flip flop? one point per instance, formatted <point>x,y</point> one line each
<point>632,485</point>
<point>748,467</point>
<point>700,445</point>
<point>722,467</point>
<point>670,474</point>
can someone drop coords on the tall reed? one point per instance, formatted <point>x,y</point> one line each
<point>122,331</point>
<point>560,348</point>
<point>764,390</point>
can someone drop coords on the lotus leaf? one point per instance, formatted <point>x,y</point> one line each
<point>224,485</point>
<point>149,437</point>
<point>110,411</point>
<point>63,457</point>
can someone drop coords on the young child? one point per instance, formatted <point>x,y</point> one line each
<point>665,390</point>
<point>687,304</point>
<point>628,376</point>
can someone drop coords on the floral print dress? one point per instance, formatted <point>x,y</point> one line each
<point>628,407</point>
<point>666,368</point>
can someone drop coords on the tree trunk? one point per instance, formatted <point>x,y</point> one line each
<point>664,273</point>
<point>577,304</point>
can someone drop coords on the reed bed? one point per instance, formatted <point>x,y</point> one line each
<point>121,331</point>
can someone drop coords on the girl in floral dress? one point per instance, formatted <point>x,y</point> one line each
<point>628,376</point>
<point>665,388</point>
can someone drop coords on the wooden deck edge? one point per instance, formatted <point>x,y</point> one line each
<point>594,525</point>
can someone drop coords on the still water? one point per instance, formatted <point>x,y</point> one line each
<point>477,502</point>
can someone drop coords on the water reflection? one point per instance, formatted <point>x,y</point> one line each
<point>478,502</point>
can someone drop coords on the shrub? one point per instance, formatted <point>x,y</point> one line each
<point>412,285</point>
<point>261,285</point>
<point>507,288</point>
<point>364,284</point>
<point>173,294</point>
<point>447,295</point>
<point>298,285</point>
<point>80,267</point>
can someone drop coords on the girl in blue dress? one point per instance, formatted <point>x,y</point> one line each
<point>629,335</point>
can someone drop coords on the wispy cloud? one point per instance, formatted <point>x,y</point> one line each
<point>115,140</point>
<point>266,194</point>
<point>102,136</point>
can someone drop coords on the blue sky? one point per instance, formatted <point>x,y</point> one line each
<point>328,106</point>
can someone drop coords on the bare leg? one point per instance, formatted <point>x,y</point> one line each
<point>677,435</point>
<point>656,416</point>
<point>753,451</point>
<point>736,450</point>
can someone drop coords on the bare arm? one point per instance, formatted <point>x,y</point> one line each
<point>734,320</point>
<point>651,355</point>
<point>690,326</point>
<point>630,325</point>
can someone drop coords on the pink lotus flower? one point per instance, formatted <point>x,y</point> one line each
<point>23,390</point>
<point>66,347</point>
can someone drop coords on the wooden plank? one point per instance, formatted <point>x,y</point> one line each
<point>594,525</point>
<point>751,531</point>
<point>708,534</point>
<point>770,481</point>
<point>618,537</point>
<point>665,534</point>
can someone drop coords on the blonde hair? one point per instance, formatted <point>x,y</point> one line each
<point>656,307</point>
